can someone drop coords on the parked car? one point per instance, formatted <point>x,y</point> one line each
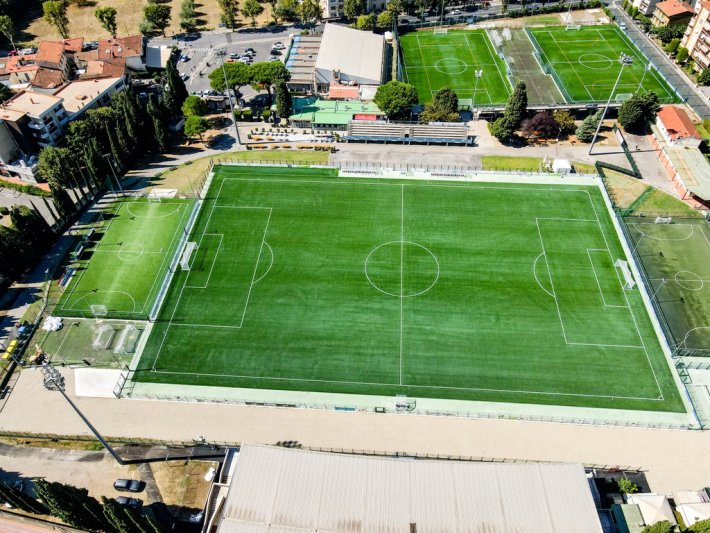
<point>245,59</point>
<point>184,58</point>
<point>250,51</point>
<point>234,56</point>
<point>133,503</point>
<point>128,485</point>
<point>275,52</point>
<point>185,76</point>
<point>278,46</point>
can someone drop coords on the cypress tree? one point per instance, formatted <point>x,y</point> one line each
<point>20,500</point>
<point>30,225</point>
<point>283,100</point>
<point>517,105</point>
<point>160,133</point>
<point>62,202</point>
<point>116,151</point>
<point>72,505</point>
<point>176,92</point>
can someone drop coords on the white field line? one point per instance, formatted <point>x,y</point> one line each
<point>594,271</point>
<point>426,71</point>
<point>214,261</point>
<point>552,284</point>
<point>401,290</point>
<point>256,266</point>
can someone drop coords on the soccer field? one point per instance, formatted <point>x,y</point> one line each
<point>585,64</point>
<point>433,61</point>
<point>303,280</point>
<point>127,259</point>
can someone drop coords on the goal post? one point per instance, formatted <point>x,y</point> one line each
<point>623,266</point>
<point>663,220</point>
<point>190,247</point>
<point>441,31</point>
<point>573,27</point>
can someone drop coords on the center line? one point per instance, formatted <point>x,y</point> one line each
<point>401,289</point>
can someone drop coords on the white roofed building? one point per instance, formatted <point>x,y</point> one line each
<point>349,57</point>
<point>284,490</point>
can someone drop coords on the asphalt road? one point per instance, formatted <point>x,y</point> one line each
<point>203,58</point>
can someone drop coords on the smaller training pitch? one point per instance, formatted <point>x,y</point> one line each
<point>585,64</point>
<point>433,61</point>
<point>125,263</point>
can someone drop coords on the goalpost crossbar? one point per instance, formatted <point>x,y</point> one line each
<point>187,254</point>
<point>623,266</point>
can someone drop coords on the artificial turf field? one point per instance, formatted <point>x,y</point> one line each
<point>586,63</point>
<point>306,281</point>
<point>435,61</point>
<point>127,259</point>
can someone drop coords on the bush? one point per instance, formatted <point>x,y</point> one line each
<point>247,115</point>
<point>672,46</point>
<point>265,114</point>
<point>681,56</point>
<point>704,78</point>
<point>638,110</point>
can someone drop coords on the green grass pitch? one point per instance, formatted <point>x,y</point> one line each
<point>586,63</point>
<point>676,258</point>
<point>435,61</point>
<point>306,281</point>
<point>127,260</point>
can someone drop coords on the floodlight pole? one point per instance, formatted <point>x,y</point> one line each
<point>221,53</point>
<point>54,381</point>
<point>110,164</point>
<point>646,69</point>
<point>624,60</point>
<point>478,74</point>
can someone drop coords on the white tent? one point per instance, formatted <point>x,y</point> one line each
<point>654,508</point>
<point>694,512</point>
<point>561,166</point>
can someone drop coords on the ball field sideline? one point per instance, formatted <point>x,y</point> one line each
<point>125,262</point>
<point>303,280</point>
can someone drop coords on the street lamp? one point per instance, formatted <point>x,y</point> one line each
<point>221,53</point>
<point>645,70</point>
<point>478,75</point>
<point>54,381</point>
<point>624,60</point>
<point>110,164</point>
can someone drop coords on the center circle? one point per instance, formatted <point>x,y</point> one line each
<point>130,251</point>
<point>595,61</point>
<point>450,65</point>
<point>402,269</point>
<point>690,281</point>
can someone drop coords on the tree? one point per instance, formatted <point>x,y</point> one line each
<point>31,225</point>
<point>252,9</point>
<point>71,505</point>
<point>195,125</point>
<point>5,93</point>
<point>352,9</point>
<point>188,16</point>
<point>366,22</point>
<point>55,13</point>
<point>541,124</point>
<point>700,527</point>
<point>230,12</point>
<point>627,486</point>
<point>194,106</point>
<point>18,498</point>
<point>501,129</point>
<point>54,162</point>
<point>703,79</point>
<point>396,6</point>
<point>7,28</point>
<point>158,16</point>
<point>287,10</point>
<point>638,110</point>
<point>660,527</point>
<point>681,55</point>
<point>107,19</point>
<point>504,6</point>
<point>386,19</point>
<point>160,133</point>
<point>15,253</point>
<point>175,91</point>
<point>672,46</point>
<point>238,75</point>
<point>585,131</point>
<point>517,105</point>
<point>443,108</point>
<point>283,100</point>
<point>447,99</point>
<point>265,74</point>
<point>564,120</point>
<point>396,98</point>
<point>309,12</point>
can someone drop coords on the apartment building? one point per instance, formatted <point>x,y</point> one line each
<point>46,114</point>
<point>697,36</point>
<point>333,9</point>
<point>672,13</point>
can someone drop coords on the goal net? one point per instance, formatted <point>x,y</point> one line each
<point>104,337</point>
<point>441,31</point>
<point>663,220</point>
<point>99,311</point>
<point>187,254</point>
<point>623,266</point>
<point>573,27</point>
<point>127,340</point>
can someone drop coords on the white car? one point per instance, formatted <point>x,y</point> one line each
<point>278,46</point>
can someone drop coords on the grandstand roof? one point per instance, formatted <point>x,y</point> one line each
<point>358,54</point>
<point>338,112</point>
<point>284,490</point>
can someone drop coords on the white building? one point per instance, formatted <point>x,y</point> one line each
<point>46,114</point>
<point>349,57</point>
<point>82,95</point>
<point>333,9</point>
<point>275,489</point>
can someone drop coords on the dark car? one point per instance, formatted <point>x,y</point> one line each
<point>128,485</point>
<point>133,503</point>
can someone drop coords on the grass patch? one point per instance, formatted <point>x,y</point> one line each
<point>511,163</point>
<point>623,189</point>
<point>182,483</point>
<point>382,287</point>
<point>32,442</point>
<point>659,202</point>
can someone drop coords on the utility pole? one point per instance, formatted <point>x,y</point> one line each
<point>624,60</point>
<point>110,164</point>
<point>221,53</point>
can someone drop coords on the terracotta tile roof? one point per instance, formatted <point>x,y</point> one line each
<point>677,123</point>
<point>17,64</point>
<point>74,45</point>
<point>47,78</point>
<point>89,55</point>
<point>100,69</point>
<point>673,8</point>
<point>50,52</point>
<point>343,91</point>
<point>120,47</point>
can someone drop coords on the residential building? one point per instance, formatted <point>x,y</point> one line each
<point>672,13</point>
<point>47,115</point>
<point>281,489</point>
<point>697,36</point>
<point>52,55</point>
<point>18,71</point>
<point>334,9</point>
<point>82,95</point>
<point>676,127</point>
<point>645,7</point>
<point>14,163</point>
<point>113,57</point>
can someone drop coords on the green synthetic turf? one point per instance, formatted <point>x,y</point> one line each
<point>585,63</point>
<point>676,258</point>
<point>435,61</point>
<point>307,281</point>
<point>127,260</point>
